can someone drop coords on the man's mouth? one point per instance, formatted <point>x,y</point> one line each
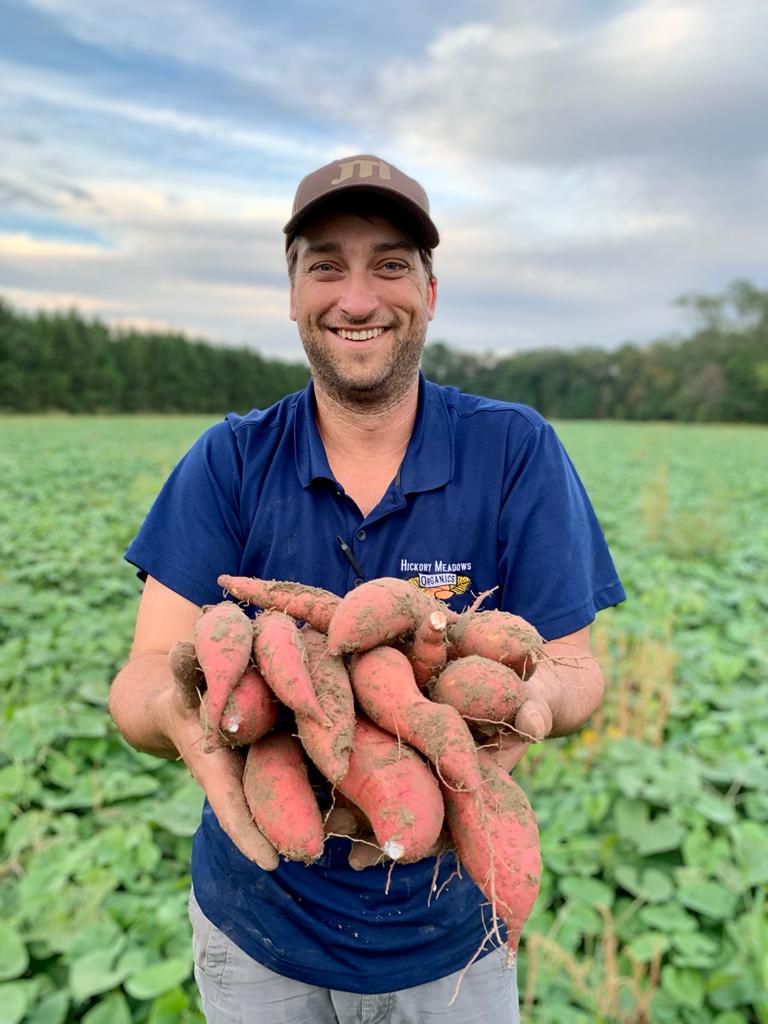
<point>361,335</point>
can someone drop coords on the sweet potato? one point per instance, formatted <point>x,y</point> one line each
<point>251,711</point>
<point>328,748</point>
<point>281,656</point>
<point>310,604</point>
<point>396,790</point>
<point>495,835</point>
<point>376,612</point>
<point>484,692</point>
<point>497,635</point>
<point>430,647</point>
<point>280,797</point>
<point>385,688</point>
<point>190,681</point>
<point>223,640</point>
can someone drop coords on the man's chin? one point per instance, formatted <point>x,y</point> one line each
<point>361,390</point>
<point>353,382</point>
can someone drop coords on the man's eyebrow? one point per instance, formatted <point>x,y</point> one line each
<point>320,248</point>
<point>391,246</point>
<point>313,248</point>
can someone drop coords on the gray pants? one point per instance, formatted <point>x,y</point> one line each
<point>237,990</point>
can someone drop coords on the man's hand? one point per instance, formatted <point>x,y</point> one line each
<point>564,691</point>
<point>150,713</point>
<point>220,774</point>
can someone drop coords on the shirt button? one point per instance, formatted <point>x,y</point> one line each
<point>393,498</point>
<point>358,582</point>
<point>361,534</point>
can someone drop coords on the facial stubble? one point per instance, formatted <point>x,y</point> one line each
<point>379,389</point>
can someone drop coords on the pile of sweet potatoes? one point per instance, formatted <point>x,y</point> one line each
<point>396,701</point>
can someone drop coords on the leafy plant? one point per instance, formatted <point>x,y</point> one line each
<point>654,819</point>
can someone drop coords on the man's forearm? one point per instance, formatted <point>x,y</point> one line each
<point>140,703</point>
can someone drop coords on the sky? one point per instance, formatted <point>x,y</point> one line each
<point>587,161</point>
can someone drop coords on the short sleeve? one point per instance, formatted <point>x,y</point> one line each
<point>554,565</point>
<point>193,532</point>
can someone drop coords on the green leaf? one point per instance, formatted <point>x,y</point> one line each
<point>15,997</point>
<point>653,885</point>
<point>669,918</point>
<point>167,1009</point>
<point>179,812</point>
<point>158,978</point>
<point>582,918</point>
<point>587,890</point>
<point>13,952</point>
<point>648,945</point>
<point>26,830</point>
<point>94,973</point>
<point>715,808</point>
<point>708,898</point>
<point>112,1010</point>
<point>52,1010</point>
<point>695,949</point>
<point>704,851</point>
<point>631,817</point>
<point>750,838</point>
<point>13,780</point>
<point>685,985</point>
<point>732,987</point>
<point>597,805</point>
<point>661,834</point>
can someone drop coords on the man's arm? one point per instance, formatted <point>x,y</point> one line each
<point>562,694</point>
<point>147,709</point>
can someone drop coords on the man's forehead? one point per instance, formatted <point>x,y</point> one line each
<point>334,232</point>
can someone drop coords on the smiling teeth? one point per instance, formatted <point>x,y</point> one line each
<point>359,335</point>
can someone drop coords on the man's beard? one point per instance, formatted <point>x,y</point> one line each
<point>380,387</point>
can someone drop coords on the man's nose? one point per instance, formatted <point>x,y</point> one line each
<point>358,298</point>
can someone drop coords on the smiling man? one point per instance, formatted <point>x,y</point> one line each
<point>371,471</point>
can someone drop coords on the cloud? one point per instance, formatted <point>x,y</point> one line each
<point>658,79</point>
<point>186,30</point>
<point>214,270</point>
<point>56,90</point>
<point>281,68</point>
<point>586,163</point>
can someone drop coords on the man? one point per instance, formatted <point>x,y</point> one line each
<point>372,471</point>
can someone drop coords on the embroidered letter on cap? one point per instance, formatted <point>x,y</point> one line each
<point>364,169</point>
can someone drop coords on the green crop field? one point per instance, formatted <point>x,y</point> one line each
<point>654,819</point>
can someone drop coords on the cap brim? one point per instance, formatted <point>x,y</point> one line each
<point>425,232</point>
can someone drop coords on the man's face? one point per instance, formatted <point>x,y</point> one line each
<point>362,300</point>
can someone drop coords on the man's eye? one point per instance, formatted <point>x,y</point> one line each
<point>323,268</point>
<point>392,266</point>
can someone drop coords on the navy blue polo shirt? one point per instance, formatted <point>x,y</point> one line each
<point>485,497</point>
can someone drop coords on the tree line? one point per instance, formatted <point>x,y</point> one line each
<point>718,372</point>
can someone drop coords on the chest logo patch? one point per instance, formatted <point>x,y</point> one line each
<point>440,579</point>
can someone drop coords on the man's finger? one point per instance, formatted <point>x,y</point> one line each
<point>364,854</point>
<point>220,774</point>
<point>507,749</point>
<point>341,822</point>
<point>228,803</point>
<point>534,719</point>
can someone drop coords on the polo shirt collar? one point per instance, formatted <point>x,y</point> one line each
<point>311,460</point>
<point>428,461</point>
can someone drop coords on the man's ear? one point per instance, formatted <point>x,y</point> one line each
<point>431,296</point>
<point>292,304</point>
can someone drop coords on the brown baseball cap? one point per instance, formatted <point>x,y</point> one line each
<point>361,174</point>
